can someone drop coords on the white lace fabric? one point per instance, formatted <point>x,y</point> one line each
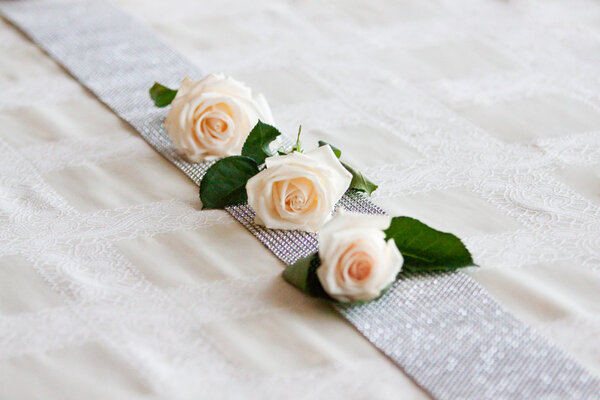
<point>481,118</point>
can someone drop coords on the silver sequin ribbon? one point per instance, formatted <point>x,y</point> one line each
<point>444,331</point>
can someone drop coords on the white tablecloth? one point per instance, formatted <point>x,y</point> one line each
<point>478,117</point>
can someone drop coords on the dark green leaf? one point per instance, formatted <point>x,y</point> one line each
<point>336,151</point>
<point>225,182</point>
<point>302,274</point>
<point>258,141</point>
<point>359,181</point>
<point>162,95</point>
<point>425,249</point>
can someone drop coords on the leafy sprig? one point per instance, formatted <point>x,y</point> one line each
<point>424,249</point>
<point>225,181</point>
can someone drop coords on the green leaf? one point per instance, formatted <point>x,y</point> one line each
<point>336,151</point>
<point>162,95</point>
<point>425,249</point>
<point>224,184</point>
<point>303,275</point>
<point>359,181</point>
<point>257,144</point>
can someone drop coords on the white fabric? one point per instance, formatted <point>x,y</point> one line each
<point>478,117</point>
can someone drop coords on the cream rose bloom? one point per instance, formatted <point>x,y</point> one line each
<point>356,261</point>
<point>298,191</point>
<point>212,117</point>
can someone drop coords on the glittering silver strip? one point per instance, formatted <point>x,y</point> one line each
<point>458,343</point>
<point>289,246</point>
<point>445,331</point>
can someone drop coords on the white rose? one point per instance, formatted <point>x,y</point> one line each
<point>298,191</point>
<point>212,117</point>
<point>356,261</point>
